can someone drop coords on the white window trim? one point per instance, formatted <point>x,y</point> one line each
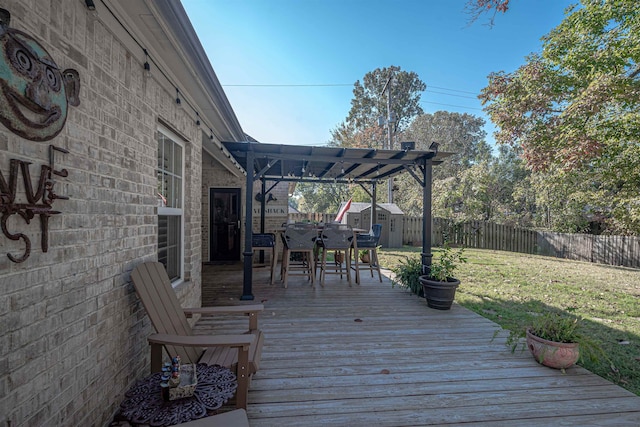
<point>162,210</point>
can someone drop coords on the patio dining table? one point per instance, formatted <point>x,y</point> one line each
<point>279,232</point>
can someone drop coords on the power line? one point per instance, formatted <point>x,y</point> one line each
<point>291,85</point>
<point>451,94</point>
<point>451,105</point>
<point>343,85</point>
<point>453,90</point>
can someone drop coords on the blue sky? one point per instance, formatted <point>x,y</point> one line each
<point>261,49</point>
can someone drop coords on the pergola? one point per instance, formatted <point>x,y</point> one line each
<point>364,166</point>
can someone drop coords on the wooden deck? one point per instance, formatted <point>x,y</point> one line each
<point>373,355</point>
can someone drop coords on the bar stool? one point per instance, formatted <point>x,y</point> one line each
<point>299,238</point>
<point>266,242</point>
<point>338,238</point>
<point>369,243</point>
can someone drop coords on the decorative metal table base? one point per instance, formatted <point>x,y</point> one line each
<point>143,403</point>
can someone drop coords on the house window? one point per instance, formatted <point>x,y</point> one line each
<point>170,202</point>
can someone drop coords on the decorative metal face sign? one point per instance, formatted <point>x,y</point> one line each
<point>34,93</point>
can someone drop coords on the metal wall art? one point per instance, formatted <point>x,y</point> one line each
<point>39,202</point>
<point>34,98</point>
<point>34,93</point>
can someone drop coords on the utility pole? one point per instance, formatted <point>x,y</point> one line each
<point>389,121</point>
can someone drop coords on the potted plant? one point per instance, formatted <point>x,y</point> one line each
<point>364,256</point>
<point>407,275</point>
<point>439,286</point>
<point>555,340</point>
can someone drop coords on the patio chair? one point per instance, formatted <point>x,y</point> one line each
<point>338,238</point>
<point>369,243</point>
<point>241,353</point>
<point>299,239</point>
<point>266,242</point>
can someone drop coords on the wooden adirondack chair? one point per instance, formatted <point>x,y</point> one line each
<point>241,353</point>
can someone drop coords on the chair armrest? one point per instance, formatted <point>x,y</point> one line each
<point>230,309</point>
<point>242,340</point>
<point>250,310</point>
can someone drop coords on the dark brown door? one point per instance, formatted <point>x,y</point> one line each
<point>224,217</point>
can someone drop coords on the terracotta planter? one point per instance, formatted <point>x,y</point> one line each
<point>553,354</point>
<point>439,295</point>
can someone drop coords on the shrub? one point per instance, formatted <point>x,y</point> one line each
<point>407,274</point>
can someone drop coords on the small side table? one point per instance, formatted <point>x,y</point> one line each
<point>143,403</point>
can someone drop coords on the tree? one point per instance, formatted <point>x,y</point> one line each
<point>461,134</point>
<point>346,135</point>
<point>514,194</point>
<point>574,108</point>
<point>325,198</point>
<point>370,100</point>
<point>361,129</point>
<point>458,133</point>
<point>477,8</point>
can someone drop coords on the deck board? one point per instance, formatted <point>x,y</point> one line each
<point>375,355</point>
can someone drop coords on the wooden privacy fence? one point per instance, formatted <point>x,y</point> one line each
<point>611,250</point>
<point>314,217</point>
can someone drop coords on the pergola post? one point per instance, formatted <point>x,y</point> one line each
<point>374,205</point>
<point>248,232</point>
<point>263,208</point>
<point>426,255</point>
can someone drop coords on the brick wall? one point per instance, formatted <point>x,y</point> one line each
<point>72,331</point>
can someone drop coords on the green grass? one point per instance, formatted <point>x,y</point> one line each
<point>509,288</point>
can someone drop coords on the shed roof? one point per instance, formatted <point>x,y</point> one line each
<point>357,207</point>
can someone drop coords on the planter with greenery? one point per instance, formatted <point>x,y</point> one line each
<point>440,286</point>
<point>555,341</point>
<point>407,275</point>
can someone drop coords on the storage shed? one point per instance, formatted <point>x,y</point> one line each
<point>388,215</point>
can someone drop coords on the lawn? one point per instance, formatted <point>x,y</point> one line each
<point>509,288</point>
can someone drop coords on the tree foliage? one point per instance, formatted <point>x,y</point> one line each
<point>324,198</point>
<point>346,135</point>
<point>477,8</point>
<point>573,109</point>
<point>369,100</point>
<point>361,130</point>
<point>461,134</point>
<point>458,133</point>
